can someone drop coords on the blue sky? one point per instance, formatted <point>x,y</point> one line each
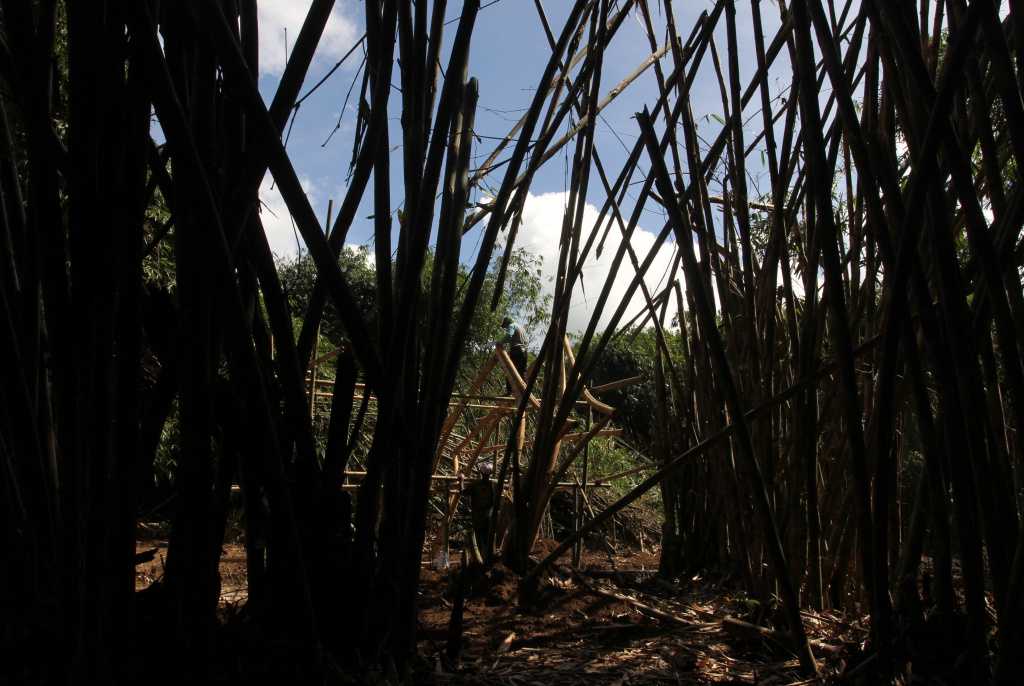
<point>509,53</point>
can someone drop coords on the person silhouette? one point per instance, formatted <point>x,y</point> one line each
<point>514,344</point>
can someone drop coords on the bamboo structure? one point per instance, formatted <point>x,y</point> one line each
<point>458,454</point>
<point>874,235</point>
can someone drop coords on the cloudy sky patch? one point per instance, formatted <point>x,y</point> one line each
<point>280,18</point>
<point>539,235</point>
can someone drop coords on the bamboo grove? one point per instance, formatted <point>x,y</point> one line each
<point>840,398</point>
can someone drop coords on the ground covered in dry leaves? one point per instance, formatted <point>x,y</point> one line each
<point>616,622</point>
<point>613,622</point>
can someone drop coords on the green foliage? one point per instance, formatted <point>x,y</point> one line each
<point>607,457</point>
<point>165,462</point>
<point>628,356</point>
<point>298,275</point>
<point>521,298</point>
<point>158,264</point>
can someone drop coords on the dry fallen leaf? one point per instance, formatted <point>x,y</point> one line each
<point>506,644</point>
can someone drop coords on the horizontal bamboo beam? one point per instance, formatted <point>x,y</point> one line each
<point>603,432</point>
<point>450,478</point>
<point>615,385</point>
<point>719,200</point>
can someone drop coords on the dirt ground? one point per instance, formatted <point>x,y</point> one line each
<point>232,568</point>
<point>612,622</point>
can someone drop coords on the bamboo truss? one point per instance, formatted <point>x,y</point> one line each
<point>458,454</point>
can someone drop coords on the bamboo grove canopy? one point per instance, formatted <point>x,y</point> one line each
<point>845,370</point>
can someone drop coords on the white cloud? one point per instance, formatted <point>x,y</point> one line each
<point>277,16</point>
<point>282,233</point>
<point>277,221</point>
<point>539,234</point>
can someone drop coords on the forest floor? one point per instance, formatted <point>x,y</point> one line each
<point>612,622</point>
<point>615,622</point>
